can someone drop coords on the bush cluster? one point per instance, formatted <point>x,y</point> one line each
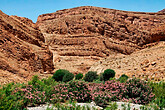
<point>63,75</point>
<point>19,96</point>
<point>91,76</point>
<point>79,76</point>
<point>68,77</point>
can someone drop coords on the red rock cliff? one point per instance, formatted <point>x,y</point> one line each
<point>22,50</point>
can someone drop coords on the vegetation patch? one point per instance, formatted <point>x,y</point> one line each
<point>35,92</point>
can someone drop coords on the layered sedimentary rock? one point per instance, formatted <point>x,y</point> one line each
<point>80,36</point>
<point>22,50</point>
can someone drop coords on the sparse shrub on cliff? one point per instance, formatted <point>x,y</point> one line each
<point>91,76</point>
<point>79,76</point>
<point>59,74</point>
<point>123,78</point>
<point>108,73</point>
<point>68,77</point>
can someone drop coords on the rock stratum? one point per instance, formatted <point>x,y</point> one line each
<point>74,39</point>
<point>80,36</point>
<point>23,52</point>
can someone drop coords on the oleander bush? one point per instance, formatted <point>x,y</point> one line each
<point>79,76</point>
<point>59,74</point>
<point>102,93</point>
<point>91,76</point>
<point>59,93</point>
<point>74,91</point>
<point>108,73</point>
<point>138,91</point>
<point>78,90</point>
<point>35,92</point>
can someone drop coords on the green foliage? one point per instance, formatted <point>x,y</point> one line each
<point>59,74</point>
<point>19,96</point>
<point>36,83</point>
<point>9,101</point>
<point>108,73</point>
<point>68,77</point>
<point>91,76</point>
<point>79,76</point>
<point>123,78</point>
<point>159,91</point>
<point>35,78</point>
<point>150,107</point>
<point>126,107</point>
<point>112,106</point>
<point>71,106</point>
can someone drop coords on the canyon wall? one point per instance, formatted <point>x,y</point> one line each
<point>81,36</point>
<point>23,52</point>
<point>76,39</point>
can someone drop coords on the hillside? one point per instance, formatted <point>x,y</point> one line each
<point>76,39</point>
<point>146,64</point>
<point>81,36</point>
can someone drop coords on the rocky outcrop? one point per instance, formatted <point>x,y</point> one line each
<point>22,50</point>
<point>162,11</point>
<point>94,33</point>
<point>24,20</point>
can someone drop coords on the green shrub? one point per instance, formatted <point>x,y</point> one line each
<point>123,78</point>
<point>79,76</point>
<point>59,74</point>
<point>108,73</point>
<point>68,77</point>
<point>159,91</point>
<point>10,101</point>
<point>91,76</point>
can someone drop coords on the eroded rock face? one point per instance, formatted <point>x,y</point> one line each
<point>22,50</point>
<point>93,33</point>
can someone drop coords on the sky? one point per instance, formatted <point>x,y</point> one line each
<point>33,8</point>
